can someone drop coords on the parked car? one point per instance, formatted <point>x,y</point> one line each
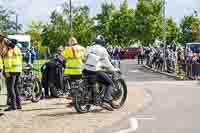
<point>194,46</point>
<point>129,53</point>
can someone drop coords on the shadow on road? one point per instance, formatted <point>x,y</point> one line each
<point>59,114</point>
<point>39,109</point>
<point>59,104</point>
<point>3,106</point>
<point>96,111</point>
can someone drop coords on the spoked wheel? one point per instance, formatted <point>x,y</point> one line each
<point>80,104</point>
<point>36,90</point>
<point>81,99</point>
<point>119,93</point>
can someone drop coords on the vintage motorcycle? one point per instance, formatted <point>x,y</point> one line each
<point>29,85</point>
<point>87,95</point>
<point>58,84</point>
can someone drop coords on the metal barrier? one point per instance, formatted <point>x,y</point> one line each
<point>193,71</point>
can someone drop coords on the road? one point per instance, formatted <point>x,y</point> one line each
<point>163,105</point>
<point>174,108</point>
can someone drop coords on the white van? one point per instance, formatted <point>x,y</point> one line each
<point>24,42</point>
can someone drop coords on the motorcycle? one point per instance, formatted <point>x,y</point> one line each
<point>60,85</point>
<point>29,85</point>
<point>87,95</point>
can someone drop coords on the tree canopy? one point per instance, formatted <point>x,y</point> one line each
<point>7,25</point>
<point>123,26</point>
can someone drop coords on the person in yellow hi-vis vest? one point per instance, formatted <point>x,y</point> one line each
<point>12,69</point>
<point>1,54</point>
<point>1,66</point>
<point>1,61</point>
<point>1,70</point>
<point>74,55</point>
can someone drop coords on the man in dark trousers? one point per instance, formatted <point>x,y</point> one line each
<point>13,67</point>
<point>140,55</point>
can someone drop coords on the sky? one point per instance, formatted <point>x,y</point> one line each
<point>30,10</point>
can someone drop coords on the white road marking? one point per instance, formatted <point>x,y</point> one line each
<point>134,124</point>
<point>135,71</point>
<point>145,118</point>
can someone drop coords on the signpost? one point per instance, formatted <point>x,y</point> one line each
<point>70,16</point>
<point>164,34</point>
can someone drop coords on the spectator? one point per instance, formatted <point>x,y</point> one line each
<point>195,71</point>
<point>180,61</point>
<point>33,54</point>
<point>58,55</point>
<point>140,55</point>
<point>147,55</point>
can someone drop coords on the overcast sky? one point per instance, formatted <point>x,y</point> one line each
<point>29,10</point>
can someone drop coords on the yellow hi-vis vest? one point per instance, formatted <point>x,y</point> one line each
<point>74,56</point>
<point>13,60</point>
<point>1,63</point>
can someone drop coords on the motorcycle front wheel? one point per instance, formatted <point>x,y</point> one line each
<point>36,90</point>
<point>119,93</point>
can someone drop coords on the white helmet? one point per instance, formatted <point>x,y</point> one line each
<point>100,40</point>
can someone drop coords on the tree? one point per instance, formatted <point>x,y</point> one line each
<point>83,26</point>
<point>116,25</point>
<point>172,31</point>
<point>196,30</point>
<point>7,25</point>
<point>35,30</point>
<point>148,20</point>
<point>121,26</point>
<point>104,18</point>
<point>56,32</point>
<point>187,31</point>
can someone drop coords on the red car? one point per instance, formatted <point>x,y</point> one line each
<point>129,53</point>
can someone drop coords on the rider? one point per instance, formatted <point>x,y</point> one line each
<point>97,58</point>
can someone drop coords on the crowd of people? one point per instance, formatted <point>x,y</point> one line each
<point>155,57</point>
<point>185,62</point>
<point>75,59</point>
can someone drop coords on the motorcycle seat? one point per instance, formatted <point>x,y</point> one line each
<point>27,67</point>
<point>72,77</point>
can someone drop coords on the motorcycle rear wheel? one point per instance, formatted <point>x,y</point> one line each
<point>81,100</point>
